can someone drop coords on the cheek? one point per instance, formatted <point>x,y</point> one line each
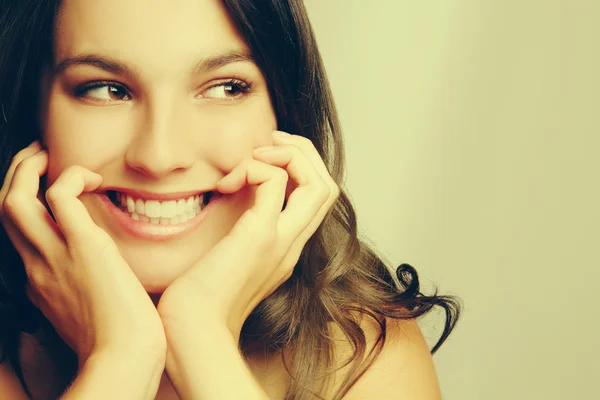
<point>239,130</point>
<point>76,135</point>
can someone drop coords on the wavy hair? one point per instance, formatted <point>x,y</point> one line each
<point>338,275</point>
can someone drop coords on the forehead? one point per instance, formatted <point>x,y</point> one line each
<point>158,33</point>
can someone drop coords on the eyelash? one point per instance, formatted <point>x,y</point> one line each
<point>81,91</point>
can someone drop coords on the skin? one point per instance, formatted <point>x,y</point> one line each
<point>159,129</point>
<point>170,132</point>
<point>167,131</point>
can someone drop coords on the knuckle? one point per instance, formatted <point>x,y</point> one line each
<point>310,146</point>
<point>305,141</point>
<point>21,156</point>
<point>12,204</point>
<point>21,165</point>
<point>324,193</point>
<point>281,174</point>
<point>300,150</point>
<point>38,277</point>
<point>57,190</point>
<point>294,148</point>
<point>54,194</point>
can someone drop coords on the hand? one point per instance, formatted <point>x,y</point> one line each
<point>76,275</point>
<point>261,250</point>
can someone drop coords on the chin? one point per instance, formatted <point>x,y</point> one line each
<point>154,282</point>
<point>156,275</point>
<point>156,286</point>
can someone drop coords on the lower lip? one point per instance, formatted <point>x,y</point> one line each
<point>158,232</point>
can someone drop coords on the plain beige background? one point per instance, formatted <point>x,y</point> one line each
<point>472,148</point>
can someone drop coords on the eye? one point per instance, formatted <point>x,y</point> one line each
<point>116,92</point>
<point>229,90</point>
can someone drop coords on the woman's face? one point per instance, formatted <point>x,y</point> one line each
<point>171,122</point>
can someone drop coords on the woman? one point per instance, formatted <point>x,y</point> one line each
<point>179,198</point>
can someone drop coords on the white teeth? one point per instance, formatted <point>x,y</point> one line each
<point>130,204</point>
<point>189,204</point>
<point>152,208</point>
<point>165,212</point>
<point>168,209</point>
<point>180,206</point>
<point>139,206</point>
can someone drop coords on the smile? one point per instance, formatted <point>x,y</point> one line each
<point>155,219</point>
<point>160,212</point>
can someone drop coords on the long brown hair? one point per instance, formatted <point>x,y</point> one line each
<point>338,275</point>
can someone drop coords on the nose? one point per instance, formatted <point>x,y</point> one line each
<point>160,147</point>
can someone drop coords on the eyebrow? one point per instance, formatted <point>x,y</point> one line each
<point>115,66</point>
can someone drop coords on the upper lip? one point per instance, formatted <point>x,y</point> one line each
<point>146,195</point>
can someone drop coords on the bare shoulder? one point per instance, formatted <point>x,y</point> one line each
<point>10,387</point>
<point>403,370</point>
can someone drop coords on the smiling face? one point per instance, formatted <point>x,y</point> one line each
<point>162,98</point>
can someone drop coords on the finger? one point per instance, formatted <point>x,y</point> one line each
<point>309,149</point>
<point>18,240</point>
<point>62,197</point>
<point>311,153</point>
<point>241,243</point>
<point>286,157</point>
<point>306,199</point>
<point>271,182</point>
<point>25,249</point>
<point>27,152</point>
<point>24,210</point>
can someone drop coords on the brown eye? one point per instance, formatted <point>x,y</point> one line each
<point>97,91</point>
<point>230,90</point>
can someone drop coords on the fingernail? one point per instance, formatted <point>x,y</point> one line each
<point>281,133</point>
<point>34,143</point>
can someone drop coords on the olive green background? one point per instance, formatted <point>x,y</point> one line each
<point>473,154</point>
